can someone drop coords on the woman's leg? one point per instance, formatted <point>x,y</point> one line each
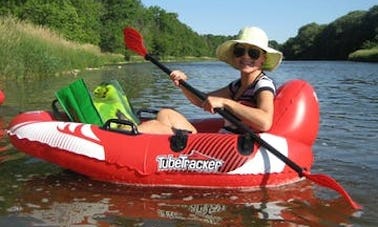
<point>166,121</point>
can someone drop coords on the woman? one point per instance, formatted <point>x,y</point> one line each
<point>250,98</point>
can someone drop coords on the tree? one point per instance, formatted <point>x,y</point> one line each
<point>369,28</point>
<point>10,7</point>
<point>89,18</point>
<point>339,38</point>
<point>304,44</point>
<point>118,14</point>
<point>336,40</point>
<point>60,15</point>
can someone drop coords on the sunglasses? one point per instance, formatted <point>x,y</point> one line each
<point>253,53</point>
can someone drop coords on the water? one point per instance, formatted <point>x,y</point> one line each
<point>36,193</point>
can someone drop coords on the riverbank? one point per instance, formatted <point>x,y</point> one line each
<point>30,51</point>
<point>365,55</point>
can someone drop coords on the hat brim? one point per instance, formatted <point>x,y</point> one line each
<point>273,57</point>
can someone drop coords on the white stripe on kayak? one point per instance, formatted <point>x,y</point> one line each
<point>79,142</point>
<point>264,161</point>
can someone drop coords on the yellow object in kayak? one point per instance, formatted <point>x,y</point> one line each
<point>112,103</point>
<point>108,101</point>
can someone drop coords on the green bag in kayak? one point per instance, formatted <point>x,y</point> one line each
<point>111,102</point>
<point>77,103</point>
<point>108,101</point>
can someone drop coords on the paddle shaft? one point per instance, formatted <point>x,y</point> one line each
<point>226,114</point>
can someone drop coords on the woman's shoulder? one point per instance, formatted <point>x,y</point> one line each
<point>266,83</point>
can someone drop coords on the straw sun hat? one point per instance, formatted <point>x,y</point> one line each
<point>251,36</point>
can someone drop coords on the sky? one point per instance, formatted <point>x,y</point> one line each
<point>280,19</point>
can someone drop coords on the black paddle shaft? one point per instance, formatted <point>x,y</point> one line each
<point>226,114</point>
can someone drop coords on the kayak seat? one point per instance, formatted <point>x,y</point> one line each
<point>107,101</point>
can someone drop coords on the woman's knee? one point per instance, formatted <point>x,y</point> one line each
<point>174,119</point>
<point>166,112</point>
<point>168,116</point>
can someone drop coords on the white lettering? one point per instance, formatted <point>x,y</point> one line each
<point>183,163</point>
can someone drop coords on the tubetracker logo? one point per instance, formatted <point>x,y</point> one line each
<point>186,163</point>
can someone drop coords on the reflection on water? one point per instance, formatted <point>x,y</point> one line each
<point>41,194</point>
<point>5,147</point>
<point>66,199</point>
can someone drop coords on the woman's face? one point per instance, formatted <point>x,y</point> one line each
<point>248,58</point>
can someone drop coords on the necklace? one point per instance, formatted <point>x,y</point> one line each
<point>240,91</point>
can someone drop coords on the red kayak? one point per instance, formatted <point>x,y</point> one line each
<point>207,159</point>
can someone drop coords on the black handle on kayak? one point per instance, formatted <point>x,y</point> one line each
<point>120,122</point>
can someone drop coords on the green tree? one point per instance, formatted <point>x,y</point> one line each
<point>118,13</point>
<point>60,15</point>
<point>369,28</point>
<point>340,37</point>
<point>335,40</point>
<point>89,18</point>
<point>304,44</point>
<point>10,7</point>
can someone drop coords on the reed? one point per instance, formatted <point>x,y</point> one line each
<point>30,51</point>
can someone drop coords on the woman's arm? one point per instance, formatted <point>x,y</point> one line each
<point>260,118</point>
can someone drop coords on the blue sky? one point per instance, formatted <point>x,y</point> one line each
<point>281,19</point>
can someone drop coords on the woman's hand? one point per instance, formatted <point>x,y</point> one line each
<point>213,102</point>
<point>176,76</point>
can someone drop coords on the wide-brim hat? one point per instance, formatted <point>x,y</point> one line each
<point>252,36</point>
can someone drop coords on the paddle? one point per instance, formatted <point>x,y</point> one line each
<point>134,41</point>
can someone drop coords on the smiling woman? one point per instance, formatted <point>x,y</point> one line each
<point>249,98</point>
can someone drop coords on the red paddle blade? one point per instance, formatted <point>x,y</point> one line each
<point>329,182</point>
<point>134,41</point>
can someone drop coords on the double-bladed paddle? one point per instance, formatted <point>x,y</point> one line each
<point>134,41</point>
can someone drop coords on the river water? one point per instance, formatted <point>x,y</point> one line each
<point>36,193</point>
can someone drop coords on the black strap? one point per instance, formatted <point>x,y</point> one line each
<point>233,130</point>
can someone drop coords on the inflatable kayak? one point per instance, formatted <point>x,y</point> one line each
<point>207,159</point>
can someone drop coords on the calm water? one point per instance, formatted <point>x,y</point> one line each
<point>35,193</point>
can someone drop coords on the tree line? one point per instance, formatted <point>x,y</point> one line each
<point>100,22</point>
<point>335,41</point>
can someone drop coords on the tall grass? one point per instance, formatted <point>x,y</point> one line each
<point>368,55</point>
<point>29,51</point>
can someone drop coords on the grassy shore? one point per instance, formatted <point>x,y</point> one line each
<point>368,55</point>
<point>29,51</point>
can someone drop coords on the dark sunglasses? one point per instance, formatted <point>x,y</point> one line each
<point>253,52</point>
